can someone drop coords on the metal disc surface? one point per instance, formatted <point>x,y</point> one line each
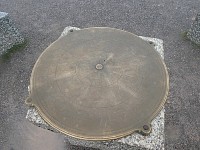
<point>99,84</point>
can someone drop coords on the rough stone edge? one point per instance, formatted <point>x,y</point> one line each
<point>3,14</point>
<point>16,36</point>
<point>193,33</point>
<point>134,140</point>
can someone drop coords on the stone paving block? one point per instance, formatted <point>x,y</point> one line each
<point>194,32</point>
<point>9,34</point>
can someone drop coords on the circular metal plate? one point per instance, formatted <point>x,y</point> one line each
<point>99,84</point>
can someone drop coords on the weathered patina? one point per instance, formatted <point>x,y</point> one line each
<point>99,84</point>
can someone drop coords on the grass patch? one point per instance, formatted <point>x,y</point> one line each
<point>12,50</point>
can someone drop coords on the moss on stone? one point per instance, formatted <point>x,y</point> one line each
<point>184,35</point>
<point>12,50</point>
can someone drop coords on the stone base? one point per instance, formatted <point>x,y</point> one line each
<point>9,34</point>
<point>194,32</point>
<point>134,141</point>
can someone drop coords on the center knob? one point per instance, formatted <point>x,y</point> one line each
<point>99,66</point>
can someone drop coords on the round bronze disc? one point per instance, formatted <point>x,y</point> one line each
<point>99,84</point>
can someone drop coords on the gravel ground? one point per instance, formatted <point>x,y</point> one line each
<point>41,22</point>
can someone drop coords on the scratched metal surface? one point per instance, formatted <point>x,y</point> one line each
<point>84,82</point>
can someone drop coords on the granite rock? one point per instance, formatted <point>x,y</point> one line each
<point>194,32</point>
<point>9,34</point>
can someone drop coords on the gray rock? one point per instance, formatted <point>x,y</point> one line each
<point>134,141</point>
<point>3,14</point>
<point>9,34</point>
<point>194,32</point>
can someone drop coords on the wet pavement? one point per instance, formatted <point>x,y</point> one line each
<point>41,22</point>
